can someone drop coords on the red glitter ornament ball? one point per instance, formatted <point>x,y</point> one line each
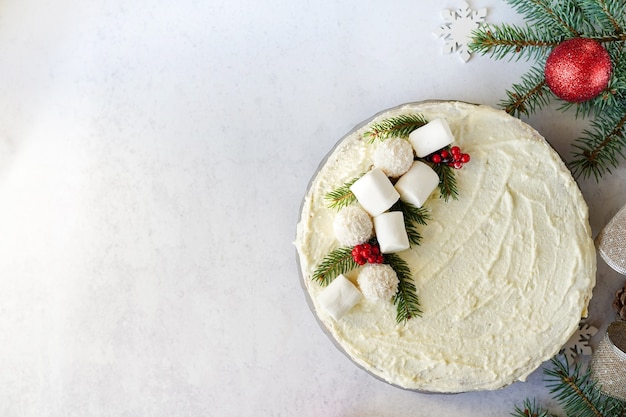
<point>578,70</point>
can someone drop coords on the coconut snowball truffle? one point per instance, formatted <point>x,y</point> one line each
<point>393,156</point>
<point>378,282</point>
<point>353,226</point>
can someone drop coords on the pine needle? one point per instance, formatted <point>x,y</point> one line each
<point>447,181</point>
<point>413,216</point>
<point>531,409</point>
<point>339,261</point>
<point>529,95</point>
<point>500,41</point>
<point>406,299</point>
<point>398,126</point>
<point>578,393</point>
<point>342,196</point>
<point>562,17</point>
<point>600,148</point>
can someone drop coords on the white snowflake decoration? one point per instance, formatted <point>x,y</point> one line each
<point>578,344</point>
<point>457,27</point>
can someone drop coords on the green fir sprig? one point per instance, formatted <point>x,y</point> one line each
<point>530,94</point>
<point>575,391</point>
<point>601,147</point>
<point>447,181</point>
<point>339,261</point>
<point>531,409</point>
<point>549,23</point>
<point>413,216</point>
<point>342,196</point>
<point>406,299</point>
<point>399,126</point>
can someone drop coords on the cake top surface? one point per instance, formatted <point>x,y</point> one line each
<point>503,273</point>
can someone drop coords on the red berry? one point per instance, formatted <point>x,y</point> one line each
<point>457,165</point>
<point>375,250</point>
<point>444,154</point>
<point>455,150</point>
<point>436,158</point>
<point>371,259</point>
<point>465,158</point>
<point>379,259</point>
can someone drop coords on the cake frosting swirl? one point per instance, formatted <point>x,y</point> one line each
<point>504,273</point>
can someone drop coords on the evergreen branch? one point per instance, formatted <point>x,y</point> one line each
<point>412,213</point>
<point>342,196</point>
<point>447,181</point>
<point>618,37</point>
<point>601,149</point>
<point>563,19</point>
<point>406,299</point>
<point>501,40</point>
<point>531,409</point>
<point>605,14</point>
<point>412,217</point>
<point>578,394</point>
<point>398,126</point>
<point>339,261</point>
<point>531,93</point>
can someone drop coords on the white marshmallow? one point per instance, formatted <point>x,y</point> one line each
<point>390,232</point>
<point>417,184</point>
<point>431,137</point>
<point>339,297</point>
<point>375,192</point>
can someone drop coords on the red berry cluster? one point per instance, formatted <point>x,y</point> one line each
<point>367,252</point>
<point>454,157</point>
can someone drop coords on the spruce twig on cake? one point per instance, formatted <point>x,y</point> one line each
<point>447,181</point>
<point>398,126</point>
<point>412,217</point>
<point>342,196</point>
<point>406,299</point>
<point>554,37</point>
<point>339,261</point>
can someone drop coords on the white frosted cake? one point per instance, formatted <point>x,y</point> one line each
<point>491,286</point>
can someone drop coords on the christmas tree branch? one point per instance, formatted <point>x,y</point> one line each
<point>619,37</point>
<point>337,262</point>
<point>531,409</point>
<point>600,149</point>
<point>412,217</point>
<point>406,299</point>
<point>527,96</point>
<point>578,394</point>
<point>562,20</point>
<point>342,196</point>
<point>447,181</point>
<point>502,40</point>
<point>399,126</point>
<point>608,14</point>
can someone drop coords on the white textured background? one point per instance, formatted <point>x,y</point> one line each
<point>153,156</point>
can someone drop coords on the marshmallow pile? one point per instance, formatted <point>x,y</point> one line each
<point>376,194</point>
